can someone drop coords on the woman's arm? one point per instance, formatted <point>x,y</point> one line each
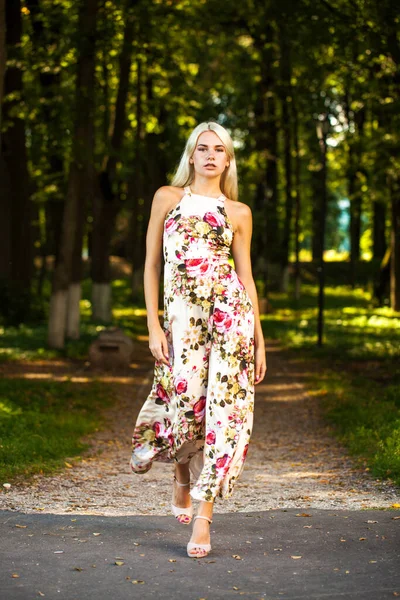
<point>163,198</point>
<point>243,224</point>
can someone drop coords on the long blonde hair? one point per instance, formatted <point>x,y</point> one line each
<point>184,174</point>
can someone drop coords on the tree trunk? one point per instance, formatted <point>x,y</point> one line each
<point>16,245</point>
<point>106,197</point>
<point>298,200</point>
<point>395,245</point>
<point>379,229</point>
<point>80,175</point>
<point>285,97</point>
<point>3,56</point>
<point>136,193</point>
<point>354,173</point>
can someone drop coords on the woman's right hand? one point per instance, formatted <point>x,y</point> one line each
<point>158,345</point>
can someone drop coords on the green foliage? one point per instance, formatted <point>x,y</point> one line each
<point>353,327</point>
<point>42,423</point>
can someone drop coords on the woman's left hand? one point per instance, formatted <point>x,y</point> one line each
<point>260,367</point>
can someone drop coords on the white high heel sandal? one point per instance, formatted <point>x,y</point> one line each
<point>192,545</point>
<point>178,510</point>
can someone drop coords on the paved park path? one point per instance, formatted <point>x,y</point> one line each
<point>303,522</point>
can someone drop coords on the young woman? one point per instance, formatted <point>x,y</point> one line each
<point>210,350</point>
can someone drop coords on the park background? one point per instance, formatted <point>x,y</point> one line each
<point>97,100</point>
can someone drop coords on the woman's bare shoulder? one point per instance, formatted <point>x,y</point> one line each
<point>238,210</point>
<point>165,198</point>
<point>168,193</point>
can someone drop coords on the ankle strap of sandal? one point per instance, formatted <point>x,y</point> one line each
<point>202,517</point>
<point>181,484</point>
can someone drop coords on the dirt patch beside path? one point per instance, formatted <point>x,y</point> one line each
<point>293,459</point>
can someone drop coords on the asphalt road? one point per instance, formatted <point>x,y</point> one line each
<point>276,554</point>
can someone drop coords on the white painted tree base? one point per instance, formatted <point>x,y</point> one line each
<point>57,319</point>
<point>101,302</point>
<point>73,311</point>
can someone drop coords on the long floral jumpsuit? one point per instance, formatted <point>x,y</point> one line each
<point>200,407</point>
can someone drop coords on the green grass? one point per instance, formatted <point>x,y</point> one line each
<point>366,417</point>
<point>353,328</point>
<point>357,368</point>
<point>42,423</point>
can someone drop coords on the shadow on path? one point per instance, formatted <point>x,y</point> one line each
<point>270,555</point>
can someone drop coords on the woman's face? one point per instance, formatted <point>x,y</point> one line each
<point>209,157</point>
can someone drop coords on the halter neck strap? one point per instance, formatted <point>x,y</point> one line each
<point>189,192</point>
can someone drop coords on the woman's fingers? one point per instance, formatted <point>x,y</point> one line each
<point>260,370</point>
<point>160,352</point>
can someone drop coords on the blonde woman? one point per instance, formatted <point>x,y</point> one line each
<point>209,353</point>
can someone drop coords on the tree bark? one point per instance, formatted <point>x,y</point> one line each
<point>379,229</point>
<point>395,245</point>
<point>3,56</point>
<point>80,174</point>
<point>354,188</point>
<point>286,102</point>
<point>298,199</point>
<point>16,245</point>
<point>106,197</point>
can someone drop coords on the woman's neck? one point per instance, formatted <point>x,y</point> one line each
<point>206,187</point>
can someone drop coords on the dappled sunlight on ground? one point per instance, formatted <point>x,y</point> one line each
<point>293,459</point>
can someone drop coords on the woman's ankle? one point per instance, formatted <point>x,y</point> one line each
<point>182,473</point>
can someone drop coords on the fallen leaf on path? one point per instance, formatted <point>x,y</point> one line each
<point>362,539</point>
<point>137,581</point>
<point>370,521</point>
<point>372,561</point>
<point>172,560</point>
<point>396,505</point>
<point>236,556</point>
<point>7,485</point>
<point>303,515</point>
<point>396,593</point>
<point>68,465</point>
<point>119,563</point>
<point>235,588</point>
<point>395,518</point>
<point>15,575</point>
<point>295,557</point>
<point>58,551</point>
<point>21,526</point>
<point>96,534</point>
<point>307,526</point>
<point>40,594</point>
<point>78,569</point>
<point>136,544</point>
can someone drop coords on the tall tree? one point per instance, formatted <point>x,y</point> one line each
<point>107,196</point>
<point>16,250</point>
<point>80,182</point>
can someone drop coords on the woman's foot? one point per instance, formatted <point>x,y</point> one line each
<point>199,545</point>
<point>181,501</point>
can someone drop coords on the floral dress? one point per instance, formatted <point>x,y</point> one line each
<point>200,407</point>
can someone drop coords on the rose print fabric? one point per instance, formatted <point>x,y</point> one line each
<point>200,407</point>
